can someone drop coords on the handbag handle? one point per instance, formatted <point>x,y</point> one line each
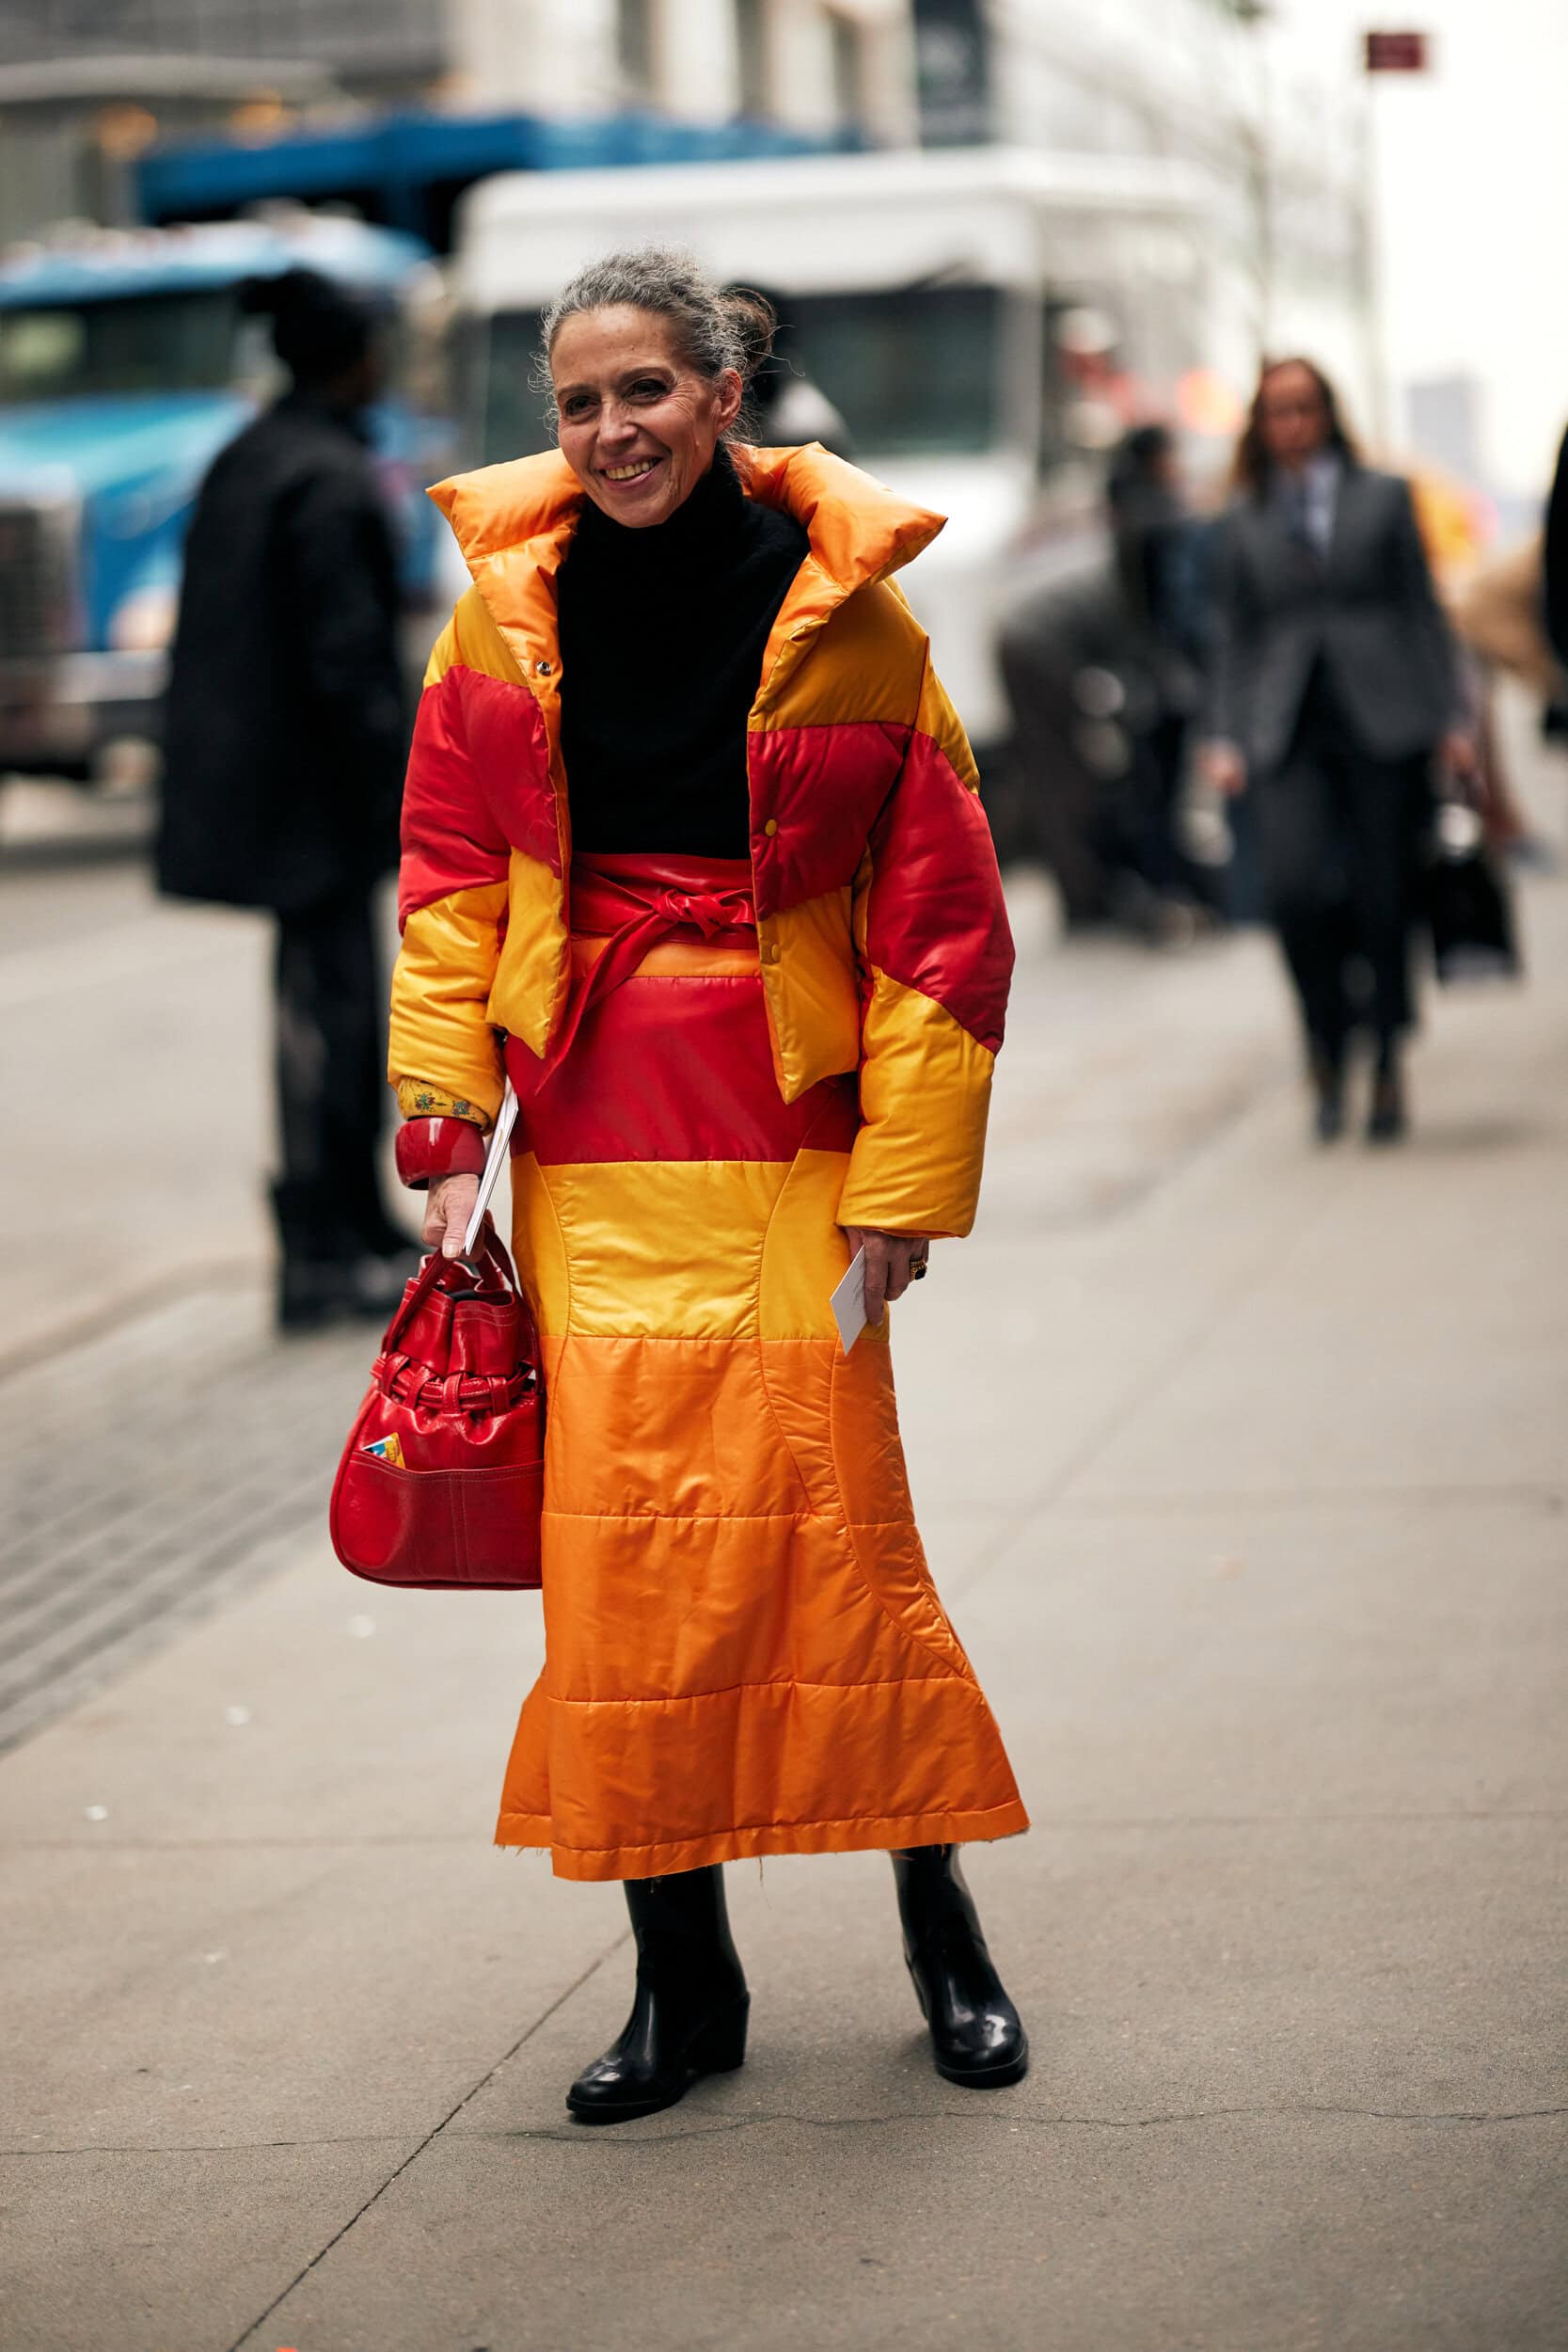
<point>414,1298</point>
<point>483,1250</point>
<point>489,1259</point>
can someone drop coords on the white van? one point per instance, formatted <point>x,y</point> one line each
<point>948,304</point>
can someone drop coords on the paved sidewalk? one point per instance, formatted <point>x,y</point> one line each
<point>1242,1467</point>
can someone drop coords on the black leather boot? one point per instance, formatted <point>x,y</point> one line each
<point>977,2036</point>
<point>689,2017</point>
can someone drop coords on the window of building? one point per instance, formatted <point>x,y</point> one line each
<point>179,342</point>
<point>912,371</point>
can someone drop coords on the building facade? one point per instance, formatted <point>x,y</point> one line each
<point>1210,85</point>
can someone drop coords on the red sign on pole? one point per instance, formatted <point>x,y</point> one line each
<point>1397,53</point>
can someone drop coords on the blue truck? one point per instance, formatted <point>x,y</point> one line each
<point>126,364</point>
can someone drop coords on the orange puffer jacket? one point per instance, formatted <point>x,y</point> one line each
<point>883,936</point>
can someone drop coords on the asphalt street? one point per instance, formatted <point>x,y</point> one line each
<point>1240,1466</point>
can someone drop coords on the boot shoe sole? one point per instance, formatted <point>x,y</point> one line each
<point>628,2111</point>
<point>974,2078</point>
<point>725,2051</point>
<point>989,2078</point>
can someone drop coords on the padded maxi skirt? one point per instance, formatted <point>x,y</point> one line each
<point>744,1652</point>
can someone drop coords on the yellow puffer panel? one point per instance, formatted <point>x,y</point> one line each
<point>925,1092</point>
<point>809,982</point>
<point>442,1032</point>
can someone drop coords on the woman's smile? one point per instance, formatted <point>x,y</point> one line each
<point>631,470</point>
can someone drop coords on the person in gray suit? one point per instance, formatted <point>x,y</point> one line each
<point>1333,689</point>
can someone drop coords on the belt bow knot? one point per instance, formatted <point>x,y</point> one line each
<point>650,912</point>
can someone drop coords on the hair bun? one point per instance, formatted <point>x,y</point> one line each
<point>754,321</point>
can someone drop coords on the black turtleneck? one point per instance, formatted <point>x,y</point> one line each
<point>662,633</point>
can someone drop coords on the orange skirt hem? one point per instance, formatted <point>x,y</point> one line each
<point>768,1839</point>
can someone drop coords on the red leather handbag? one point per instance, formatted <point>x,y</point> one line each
<point>441,1483</point>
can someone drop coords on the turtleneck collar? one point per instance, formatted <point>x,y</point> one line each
<point>708,522</point>
<point>663,634</point>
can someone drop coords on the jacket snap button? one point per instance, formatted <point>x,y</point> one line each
<point>543,668</point>
<point>775,951</point>
<point>771,827</point>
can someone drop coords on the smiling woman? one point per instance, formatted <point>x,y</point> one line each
<point>691,821</point>
<point>642,397</point>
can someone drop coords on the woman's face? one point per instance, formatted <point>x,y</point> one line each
<point>1292,415</point>
<point>637,427</point>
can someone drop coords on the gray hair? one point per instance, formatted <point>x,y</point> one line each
<point>714,327</point>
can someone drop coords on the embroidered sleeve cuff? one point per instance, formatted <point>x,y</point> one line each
<point>416,1100</point>
<point>428,1149</point>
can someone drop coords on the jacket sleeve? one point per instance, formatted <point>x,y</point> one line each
<point>936,957</point>
<point>342,575</point>
<point>452,904</point>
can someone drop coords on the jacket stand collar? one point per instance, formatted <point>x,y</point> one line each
<point>514,522</point>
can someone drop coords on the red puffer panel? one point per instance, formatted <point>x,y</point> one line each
<point>822,786</point>
<point>935,919</point>
<point>478,787</point>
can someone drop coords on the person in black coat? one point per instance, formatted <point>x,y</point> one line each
<point>1333,689</point>
<point>1159,557</point>
<point>1555,559</point>
<point>284,745</point>
<point>1102,666</point>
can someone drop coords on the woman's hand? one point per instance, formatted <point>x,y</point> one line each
<point>1222,767</point>
<point>448,1206</point>
<point>889,1262</point>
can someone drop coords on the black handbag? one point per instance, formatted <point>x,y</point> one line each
<point>1466,901</point>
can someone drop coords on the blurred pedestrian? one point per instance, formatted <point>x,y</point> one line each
<point>1499,611</point>
<point>1499,616</point>
<point>1101,664</point>
<point>1554,564</point>
<point>1065,796</point>
<point>751,1033</point>
<point>285,739</point>
<point>1162,574</point>
<point>1332,688</point>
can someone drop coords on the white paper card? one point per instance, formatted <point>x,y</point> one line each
<point>849,1302</point>
<point>495,1160</point>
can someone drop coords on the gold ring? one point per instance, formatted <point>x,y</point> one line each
<point>919,1269</point>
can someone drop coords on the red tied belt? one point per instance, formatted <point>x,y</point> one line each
<point>632,902</point>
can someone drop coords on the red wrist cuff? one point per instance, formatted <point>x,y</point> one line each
<point>432,1147</point>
